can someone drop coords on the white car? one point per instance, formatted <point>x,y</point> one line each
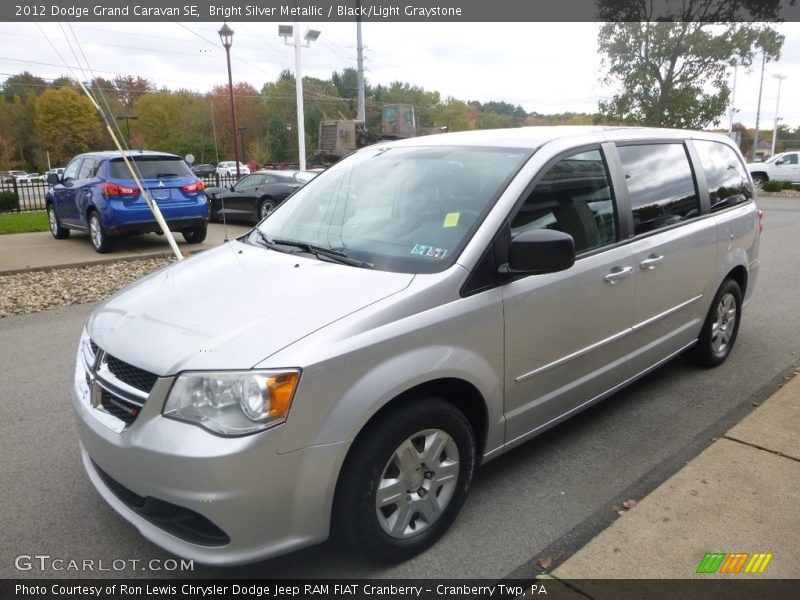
<point>29,178</point>
<point>781,167</point>
<point>227,168</point>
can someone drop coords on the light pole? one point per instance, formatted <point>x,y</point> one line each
<point>780,79</point>
<point>311,35</point>
<point>128,119</point>
<point>226,36</point>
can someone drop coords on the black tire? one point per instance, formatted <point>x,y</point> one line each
<point>759,180</point>
<point>101,241</point>
<point>429,496</point>
<point>720,327</point>
<point>59,232</point>
<point>266,206</point>
<point>195,235</point>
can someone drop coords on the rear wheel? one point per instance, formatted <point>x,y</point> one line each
<point>405,480</point>
<point>720,327</point>
<point>101,241</point>
<point>195,235</point>
<point>59,232</point>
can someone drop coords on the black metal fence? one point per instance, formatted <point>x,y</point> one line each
<point>19,196</point>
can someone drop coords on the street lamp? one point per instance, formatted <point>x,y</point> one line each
<point>780,79</point>
<point>311,35</point>
<point>226,37</point>
<point>127,119</point>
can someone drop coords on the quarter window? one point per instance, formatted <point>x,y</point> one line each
<point>660,184</point>
<point>573,196</point>
<point>726,178</point>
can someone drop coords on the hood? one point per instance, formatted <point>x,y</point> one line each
<point>232,307</point>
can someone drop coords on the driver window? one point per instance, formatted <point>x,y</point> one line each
<point>574,197</point>
<point>789,159</point>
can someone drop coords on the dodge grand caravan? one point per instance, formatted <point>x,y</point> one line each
<point>420,308</point>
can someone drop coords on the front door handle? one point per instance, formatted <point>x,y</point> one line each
<point>618,273</point>
<point>651,262</point>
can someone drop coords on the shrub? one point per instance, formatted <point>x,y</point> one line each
<point>773,186</point>
<point>8,201</point>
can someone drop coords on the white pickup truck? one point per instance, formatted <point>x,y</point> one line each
<point>781,167</point>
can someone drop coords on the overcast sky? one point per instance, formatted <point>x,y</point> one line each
<point>545,67</point>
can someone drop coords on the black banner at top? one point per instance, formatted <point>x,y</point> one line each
<point>400,10</point>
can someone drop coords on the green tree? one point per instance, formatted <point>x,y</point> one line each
<point>66,123</point>
<point>674,73</point>
<point>277,139</point>
<point>453,114</point>
<point>23,85</point>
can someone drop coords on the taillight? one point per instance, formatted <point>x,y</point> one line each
<point>112,189</point>
<point>194,187</point>
<point>760,221</point>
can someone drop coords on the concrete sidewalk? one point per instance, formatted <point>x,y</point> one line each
<point>35,251</point>
<point>740,495</point>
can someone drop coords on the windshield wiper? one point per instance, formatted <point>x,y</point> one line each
<point>320,251</point>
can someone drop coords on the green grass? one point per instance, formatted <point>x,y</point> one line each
<point>23,222</point>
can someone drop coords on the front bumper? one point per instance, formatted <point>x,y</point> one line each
<point>265,503</point>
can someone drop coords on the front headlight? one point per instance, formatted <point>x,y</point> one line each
<point>233,403</point>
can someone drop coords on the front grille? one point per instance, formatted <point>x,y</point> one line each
<point>119,407</point>
<point>177,520</point>
<point>133,376</point>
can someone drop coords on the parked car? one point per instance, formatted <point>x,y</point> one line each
<point>97,194</point>
<point>228,169</point>
<point>30,178</point>
<point>11,176</point>
<point>204,170</point>
<point>781,167</point>
<point>254,196</point>
<point>421,308</point>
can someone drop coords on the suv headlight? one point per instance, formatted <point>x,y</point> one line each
<point>232,403</point>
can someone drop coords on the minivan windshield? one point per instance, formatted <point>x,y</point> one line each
<point>403,209</point>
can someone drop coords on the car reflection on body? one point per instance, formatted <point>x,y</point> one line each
<point>255,196</point>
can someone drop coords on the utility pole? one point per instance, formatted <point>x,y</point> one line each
<point>780,79</point>
<point>362,111</point>
<point>758,110</point>
<point>733,100</point>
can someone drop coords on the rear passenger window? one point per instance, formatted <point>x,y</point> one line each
<point>660,184</point>
<point>726,178</point>
<point>574,196</point>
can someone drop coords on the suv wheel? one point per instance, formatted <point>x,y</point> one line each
<point>720,328</point>
<point>195,235</point>
<point>59,232</point>
<point>101,241</point>
<point>405,480</point>
<point>759,180</point>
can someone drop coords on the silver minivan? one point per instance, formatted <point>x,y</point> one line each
<point>421,307</point>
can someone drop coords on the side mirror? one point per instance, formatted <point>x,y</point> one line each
<point>53,178</point>
<point>779,161</point>
<point>539,251</point>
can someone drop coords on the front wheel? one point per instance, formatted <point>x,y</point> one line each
<point>405,480</point>
<point>195,235</point>
<point>59,232</point>
<point>266,207</point>
<point>101,241</point>
<point>759,180</point>
<point>720,327</point>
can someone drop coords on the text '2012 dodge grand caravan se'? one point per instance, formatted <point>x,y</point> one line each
<point>421,307</point>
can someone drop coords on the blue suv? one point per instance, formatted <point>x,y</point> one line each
<point>97,194</point>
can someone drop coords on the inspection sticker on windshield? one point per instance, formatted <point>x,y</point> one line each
<point>451,219</point>
<point>429,251</point>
